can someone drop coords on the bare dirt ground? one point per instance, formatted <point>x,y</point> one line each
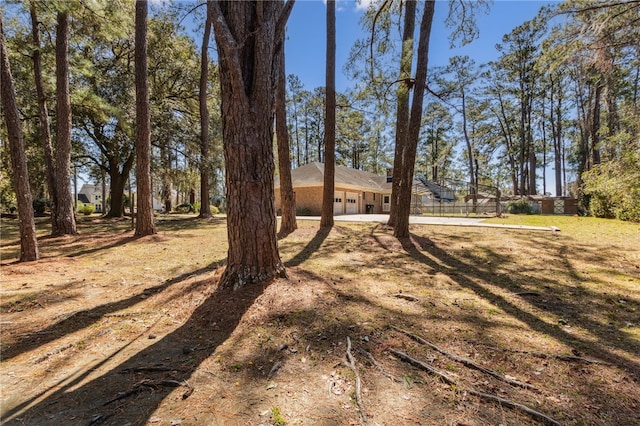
<point>111,330</point>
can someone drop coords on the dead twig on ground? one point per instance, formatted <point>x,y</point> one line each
<point>503,401</point>
<point>568,358</point>
<point>406,297</point>
<point>151,384</point>
<point>376,364</point>
<point>351,363</point>
<point>466,361</point>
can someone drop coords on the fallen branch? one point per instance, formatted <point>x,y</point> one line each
<point>466,361</point>
<point>146,384</point>
<point>352,365</point>
<point>378,366</point>
<point>503,401</point>
<point>149,369</point>
<point>426,367</point>
<point>568,358</point>
<point>406,297</point>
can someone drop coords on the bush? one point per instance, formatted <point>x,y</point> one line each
<point>303,211</point>
<point>185,208</point>
<point>612,189</point>
<point>87,209</point>
<point>40,205</point>
<point>521,206</point>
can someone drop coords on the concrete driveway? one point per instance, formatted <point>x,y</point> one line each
<point>430,220</point>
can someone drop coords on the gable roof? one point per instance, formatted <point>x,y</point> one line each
<point>312,174</point>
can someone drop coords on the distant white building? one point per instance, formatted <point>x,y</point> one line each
<point>92,194</point>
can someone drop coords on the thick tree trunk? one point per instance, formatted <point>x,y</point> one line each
<point>205,209</point>
<point>288,222</point>
<point>28,241</point>
<point>246,34</point>
<point>45,134</point>
<point>401,228</point>
<point>145,222</point>
<point>118,180</point>
<point>328,193</point>
<point>64,218</point>
<point>402,109</point>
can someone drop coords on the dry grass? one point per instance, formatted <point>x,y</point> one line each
<point>103,313</point>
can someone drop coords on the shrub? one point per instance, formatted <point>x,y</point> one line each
<point>521,206</point>
<point>40,205</point>
<point>303,211</point>
<point>214,210</point>
<point>87,209</point>
<point>185,208</point>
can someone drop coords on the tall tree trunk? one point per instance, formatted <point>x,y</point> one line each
<point>28,241</point>
<point>205,209</point>
<point>401,228</point>
<point>288,222</point>
<point>328,193</point>
<point>45,134</point>
<point>117,181</point>
<point>473,183</point>
<point>246,34</point>
<point>65,218</point>
<point>402,108</point>
<point>595,124</point>
<point>145,222</point>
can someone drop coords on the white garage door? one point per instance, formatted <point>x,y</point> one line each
<point>352,203</point>
<point>338,198</point>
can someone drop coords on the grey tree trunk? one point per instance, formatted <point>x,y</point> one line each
<point>402,111</point>
<point>328,192</point>
<point>401,227</point>
<point>64,218</point>
<point>28,241</point>
<point>145,222</point>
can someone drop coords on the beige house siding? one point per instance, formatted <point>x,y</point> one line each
<point>310,199</point>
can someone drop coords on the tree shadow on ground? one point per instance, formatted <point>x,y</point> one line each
<point>81,319</point>
<point>129,393</point>
<point>311,248</point>
<point>466,273</point>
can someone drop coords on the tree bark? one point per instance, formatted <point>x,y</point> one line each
<point>246,34</point>
<point>402,109</point>
<point>64,218</point>
<point>28,241</point>
<point>288,222</point>
<point>328,193</point>
<point>145,222</point>
<point>205,209</point>
<point>45,134</point>
<point>401,228</point>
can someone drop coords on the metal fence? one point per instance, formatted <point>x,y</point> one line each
<point>453,198</point>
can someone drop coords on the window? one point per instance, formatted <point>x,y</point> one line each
<point>337,200</point>
<point>98,197</point>
<point>364,195</point>
<point>374,196</point>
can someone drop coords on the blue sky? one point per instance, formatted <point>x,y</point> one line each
<point>305,46</point>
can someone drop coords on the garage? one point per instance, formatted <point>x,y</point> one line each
<point>337,203</point>
<point>352,203</point>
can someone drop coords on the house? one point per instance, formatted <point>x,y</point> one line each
<point>356,191</point>
<point>92,194</point>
